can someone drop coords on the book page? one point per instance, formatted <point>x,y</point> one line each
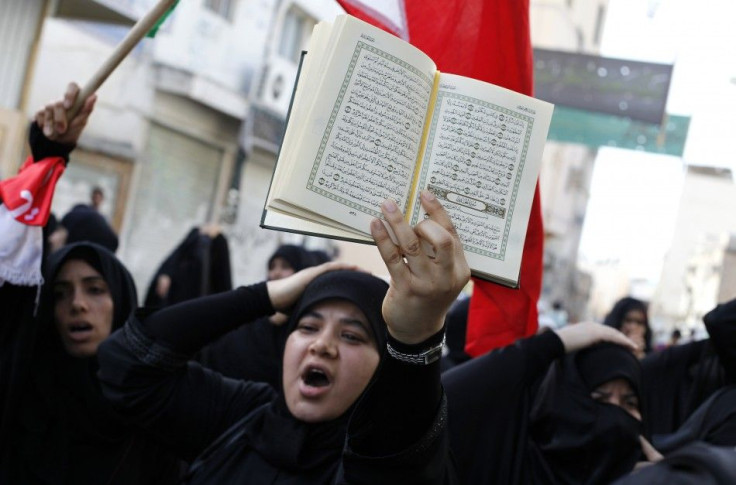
<point>360,140</point>
<point>482,160</point>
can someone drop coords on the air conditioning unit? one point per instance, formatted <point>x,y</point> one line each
<point>277,85</point>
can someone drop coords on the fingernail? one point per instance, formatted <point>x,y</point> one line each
<point>48,131</point>
<point>377,226</point>
<point>390,205</point>
<point>67,104</point>
<point>428,195</point>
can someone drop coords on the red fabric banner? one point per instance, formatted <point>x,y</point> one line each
<point>28,195</point>
<point>487,40</point>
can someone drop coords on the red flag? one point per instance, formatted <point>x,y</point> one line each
<point>28,195</point>
<point>487,40</point>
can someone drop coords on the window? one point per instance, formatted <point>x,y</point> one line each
<point>223,8</point>
<point>295,32</point>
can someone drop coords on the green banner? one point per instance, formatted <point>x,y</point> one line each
<point>597,129</point>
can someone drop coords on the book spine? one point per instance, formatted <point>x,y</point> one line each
<point>422,146</point>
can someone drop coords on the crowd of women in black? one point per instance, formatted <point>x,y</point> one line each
<point>326,374</point>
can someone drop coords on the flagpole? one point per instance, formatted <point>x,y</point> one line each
<point>139,30</point>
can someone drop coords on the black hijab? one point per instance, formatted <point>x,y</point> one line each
<point>308,452</point>
<point>615,317</point>
<point>198,266</point>
<point>84,223</point>
<point>574,439</point>
<point>70,433</point>
<point>297,257</point>
<point>681,378</point>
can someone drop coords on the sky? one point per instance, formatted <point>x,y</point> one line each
<point>634,195</point>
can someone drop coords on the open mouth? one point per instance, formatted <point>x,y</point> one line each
<point>80,332</point>
<point>315,377</point>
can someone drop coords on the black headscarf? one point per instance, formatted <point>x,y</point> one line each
<point>721,325</point>
<point>70,433</point>
<point>282,442</point>
<point>696,464</point>
<point>198,266</point>
<point>84,223</point>
<point>680,378</point>
<point>616,316</point>
<point>297,257</point>
<point>574,439</point>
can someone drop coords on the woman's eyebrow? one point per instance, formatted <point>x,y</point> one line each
<point>356,322</point>
<point>88,279</point>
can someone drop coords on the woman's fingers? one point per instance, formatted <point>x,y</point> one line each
<point>436,212</point>
<point>48,121</point>
<point>409,244</point>
<point>580,335</point>
<point>650,451</point>
<point>286,291</point>
<point>72,91</point>
<point>389,251</point>
<point>60,121</point>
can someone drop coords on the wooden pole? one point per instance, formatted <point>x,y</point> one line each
<point>139,30</point>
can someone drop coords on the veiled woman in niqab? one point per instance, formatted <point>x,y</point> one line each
<point>528,414</point>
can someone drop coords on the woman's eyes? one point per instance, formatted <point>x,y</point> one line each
<point>632,404</point>
<point>353,337</point>
<point>97,289</point>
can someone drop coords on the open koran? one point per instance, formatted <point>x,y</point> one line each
<point>372,118</point>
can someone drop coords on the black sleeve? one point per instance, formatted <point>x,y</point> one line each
<point>397,433</point>
<point>144,370</point>
<point>42,147</point>
<point>518,364</point>
<point>488,405</point>
<point>721,325</point>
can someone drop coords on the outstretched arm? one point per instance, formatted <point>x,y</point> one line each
<point>397,433</point>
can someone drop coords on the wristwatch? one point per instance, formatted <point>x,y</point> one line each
<point>425,357</point>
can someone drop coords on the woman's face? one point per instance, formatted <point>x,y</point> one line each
<point>618,392</point>
<point>328,361</point>
<point>279,268</point>
<point>634,325</point>
<point>83,308</point>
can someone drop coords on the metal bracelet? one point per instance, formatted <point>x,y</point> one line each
<point>426,357</point>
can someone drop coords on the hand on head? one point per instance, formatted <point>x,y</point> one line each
<point>580,335</point>
<point>286,291</point>
<point>52,118</point>
<point>427,267</point>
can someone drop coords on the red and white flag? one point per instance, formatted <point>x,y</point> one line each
<point>25,208</point>
<point>28,195</point>
<point>487,40</point>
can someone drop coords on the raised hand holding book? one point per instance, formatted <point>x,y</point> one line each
<point>372,118</point>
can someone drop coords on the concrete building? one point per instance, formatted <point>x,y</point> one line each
<point>165,142</point>
<point>572,26</point>
<point>698,269</point>
<point>565,188</point>
<point>20,24</point>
